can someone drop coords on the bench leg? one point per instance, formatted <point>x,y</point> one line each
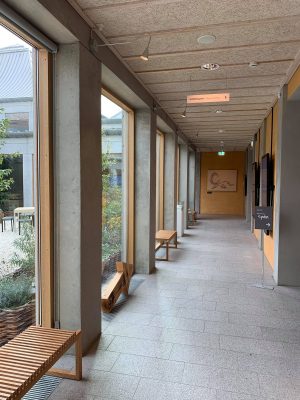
<point>167,251</point>
<point>77,374</point>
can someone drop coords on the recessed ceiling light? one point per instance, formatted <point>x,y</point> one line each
<point>206,39</point>
<point>219,111</point>
<point>145,55</point>
<point>210,67</point>
<point>208,98</point>
<point>253,64</point>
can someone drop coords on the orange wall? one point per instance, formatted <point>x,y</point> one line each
<point>271,148</point>
<point>294,83</point>
<point>257,158</point>
<point>269,240</point>
<point>223,203</point>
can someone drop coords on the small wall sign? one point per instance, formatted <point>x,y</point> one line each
<point>264,218</point>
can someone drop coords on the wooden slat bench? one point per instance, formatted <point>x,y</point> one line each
<point>31,354</point>
<point>165,238</point>
<point>118,284</point>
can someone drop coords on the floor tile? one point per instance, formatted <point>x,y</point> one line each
<point>224,328</point>
<point>132,330</point>
<point>247,345</point>
<point>153,389</point>
<point>190,338</point>
<point>146,367</point>
<point>186,324</point>
<point>141,347</point>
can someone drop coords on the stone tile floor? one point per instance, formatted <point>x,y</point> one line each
<point>198,330</point>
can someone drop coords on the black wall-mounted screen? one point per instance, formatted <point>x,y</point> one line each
<point>266,181</point>
<point>255,187</point>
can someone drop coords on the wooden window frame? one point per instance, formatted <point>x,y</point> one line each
<point>177,171</point>
<point>161,179</point>
<point>43,97</point>
<point>131,174</point>
<point>45,184</point>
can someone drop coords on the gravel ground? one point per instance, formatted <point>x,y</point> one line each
<point>6,251</point>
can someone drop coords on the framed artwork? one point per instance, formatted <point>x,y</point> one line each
<point>221,180</point>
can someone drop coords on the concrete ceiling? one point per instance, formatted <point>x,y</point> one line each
<point>267,32</point>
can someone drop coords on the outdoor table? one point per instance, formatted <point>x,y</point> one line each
<point>22,210</point>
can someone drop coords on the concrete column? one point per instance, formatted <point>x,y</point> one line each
<point>192,171</point>
<point>184,180</point>
<point>287,194</point>
<point>248,208</point>
<point>78,191</point>
<point>170,190</point>
<point>28,180</point>
<point>145,190</point>
<point>197,181</point>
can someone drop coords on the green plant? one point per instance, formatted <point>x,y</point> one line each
<point>6,180</point>
<point>24,257</point>
<point>15,292</point>
<point>111,209</point>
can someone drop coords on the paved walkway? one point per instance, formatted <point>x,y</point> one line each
<point>7,249</point>
<point>197,330</point>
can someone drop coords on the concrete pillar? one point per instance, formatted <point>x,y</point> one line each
<point>287,194</point>
<point>145,190</point>
<point>197,181</point>
<point>192,170</point>
<point>184,180</point>
<point>248,208</point>
<point>170,190</point>
<point>78,191</point>
<point>28,180</point>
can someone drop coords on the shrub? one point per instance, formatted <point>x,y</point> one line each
<point>15,292</point>
<point>24,257</point>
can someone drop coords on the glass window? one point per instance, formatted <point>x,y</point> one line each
<point>114,186</point>
<point>18,280</point>
<point>17,122</point>
<point>160,180</point>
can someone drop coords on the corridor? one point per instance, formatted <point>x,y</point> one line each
<point>197,330</point>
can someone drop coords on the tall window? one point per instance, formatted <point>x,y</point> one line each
<point>117,172</point>
<point>160,160</point>
<point>18,188</point>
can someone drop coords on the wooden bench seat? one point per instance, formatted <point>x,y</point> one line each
<point>32,354</point>
<point>165,238</point>
<point>118,284</point>
<point>158,245</point>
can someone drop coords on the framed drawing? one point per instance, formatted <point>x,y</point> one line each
<point>221,180</point>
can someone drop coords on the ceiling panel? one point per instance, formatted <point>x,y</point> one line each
<point>267,32</point>
<point>268,53</point>
<point>163,15</point>
<point>243,35</point>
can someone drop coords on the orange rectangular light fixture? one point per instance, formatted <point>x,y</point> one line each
<point>208,98</point>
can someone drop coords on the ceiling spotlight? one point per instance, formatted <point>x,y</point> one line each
<point>183,115</point>
<point>145,55</point>
<point>219,111</point>
<point>206,39</point>
<point>221,152</point>
<point>210,67</point>
<point>253,64</point>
